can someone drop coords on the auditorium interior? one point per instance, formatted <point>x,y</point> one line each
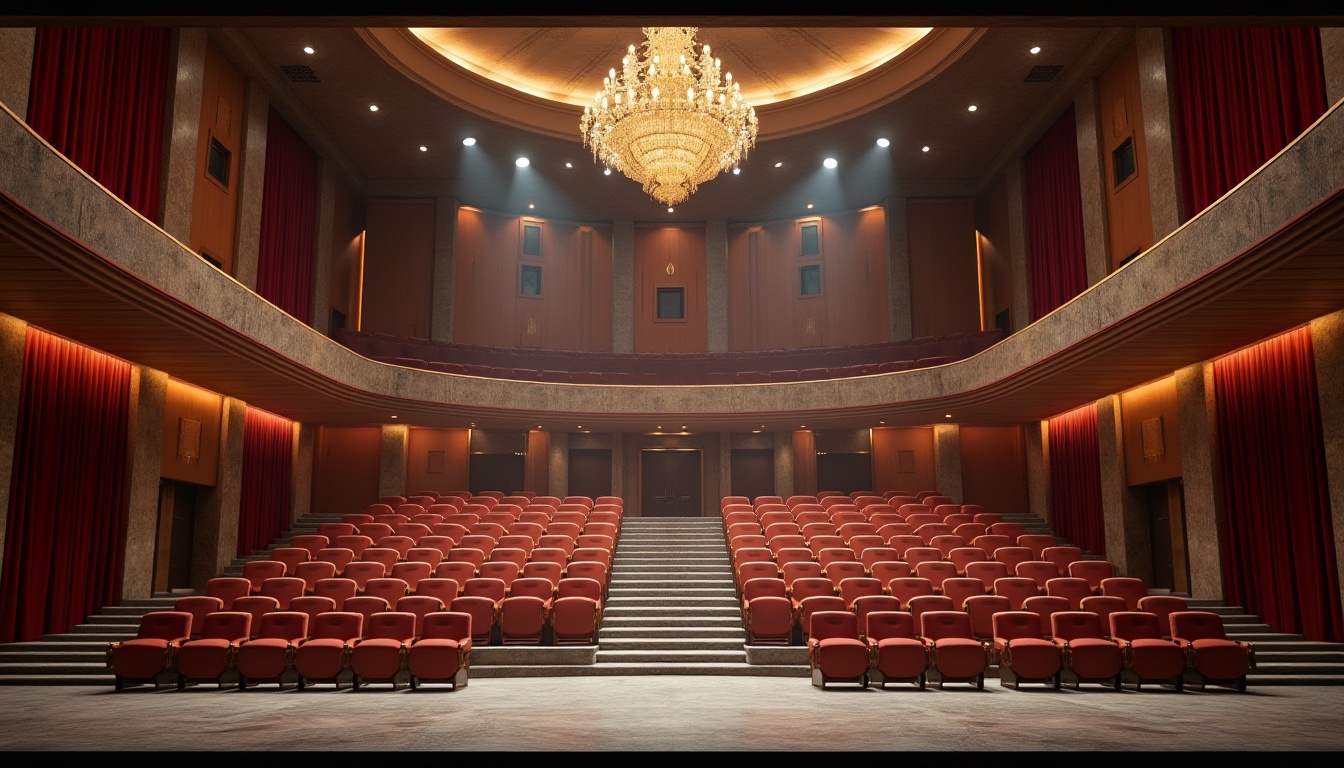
<point>1083,276</point>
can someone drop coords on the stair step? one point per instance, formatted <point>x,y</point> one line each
<point>697,632</point>
<point>671,656</point>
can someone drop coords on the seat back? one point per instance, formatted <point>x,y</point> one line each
<point>1017,625</point>
<point>312,542</point>
<point>1074,625</point>
<point>588,569</point>
<point>447,625</point>
<point>936,571</point>
<point>419,606</point>
<point>430,550</point>
<point>458,571</point>
<point>310,605</point>
<point>907,587</point>
<point>938,625</point>
<point>1070,588</point>
<point>1095,571</point>
<point>337,588</point>
<point>390,625</point>
<point>882,625</point>
<point>1041,571</point>
<point>1046,606</point>
<point>763,587</point>
<point>858,586</point>
<point>228,589</point>
<point>1012,556</point>
<point>367,605</point>
<point>1129,588</point>
<point>987,571</point>
<point>1163,606</point>
<point>824,625</point>
<point>1036,542</point>
<point>233,626</point>
<point>579,586</point>
<point>533,586</point>
<point>886,570</point>
<point>291,557</point>
<point>355,542</point>
<point>284,589</point>
<point>982,609</point>
<point>445,589</point>
<point>331,530</point>
<point>257,571</point>
<point>284,625</point>
<point>313,571</point>
<point>961,587</point>
<point>361,571</point>
<point>484,586</point>
<point>387,556</point>
<point>1062,555</point>
<point>257,606</point>
<point>199,606</point>
<point>1103,606</point>
<point>1017,589</point>
<point>1188,626</point>
<point>1127,626</point>
<point>411,572</point>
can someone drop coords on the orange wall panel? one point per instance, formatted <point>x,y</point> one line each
<point>398,267</point>
<point>537,468</point>
<point>1129,218</point>
<point>804,462</point>
<point>346,466</point>
<point>191,421</point>
<point>994,468</point>
<point>903,459</point>
<point>944,281</point>
<point>996,274</point>
<point>436,459</point>
<point>347,257</point>
<point>1152,434</point>
<point>673,256</point>
<point>214,205</point>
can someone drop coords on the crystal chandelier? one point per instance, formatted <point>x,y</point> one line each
<point>667,120</point>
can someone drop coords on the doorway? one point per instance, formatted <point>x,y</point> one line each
<point>845,472</point>
<point>505,472</point>
<point>590,472</point>
<point>1166,532</point>
<point>175,536</point>
<point>669,482</point>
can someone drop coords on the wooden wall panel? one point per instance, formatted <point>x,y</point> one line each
<point>1129,216</point>
<point>854,276</point>
<point>903,459</point>
<point>944,284</point>
<point>346,464</point>
<point>994,468</point>
<point>804,462</point>
<point>398,267</point>
<point>203,408</point>
<point>1152,434</point>
<point>683,249</point>
<point>214,206</point>
<point>996,274</point>
<point>538,468</point>
<point>347,255</point>
<point>436,459</point>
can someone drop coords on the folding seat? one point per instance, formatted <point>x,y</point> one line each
<point>814,604</point>
<point>955,655</point>
<point>560,526</point>
<point>310,605</point>
<point>935,500</point>
<point>823,541</point>
<point>330,530</point>
<point>908,587</point>
<point>752,569</point>
<point>904,542</point>
<point>840,570</point>
<point>429,552</point>
<point>486,529</point>
<point>969,531</point>
<point>879,554</point>
<point>947,542</point>
<point>1041,571</point>
<point>268,656</point>
<point>848,531</point>
<point>576,612</point>
<point>1095,571</point>
<point>257,571</point>
<point>376,530</point>
<point>835,650</point>
<point>557,555</point>
<point>604,515</point>
<point>917,555</point>
<point>1046,606</point>
<point>739,517</point>
<point>357,519</point>
<point>985,518</point>
<point>1009,529</point>
<point>807,586</point>
<point>312,571</point>
<point>378,655</point>
<point>866,604</point>
<point>543,569</point>
<point>400,514</point>
<point>737,530</point>
<point>411,572</point>
<point>886,570</point>
<point>312,542</point>
<point>557,542</point>
<point>936,571</point>
<point>920,518</point>
<point>525,613</point>
<point>981,609</point>
<point>805,517</point>
<point>1129,588</point>
<point>481,598</point>
<point>793,501</point>
<point>1062,555</point>
<point>506,571</point>
<point>362,571</point>
<point>961,587</point>
<point>420,606</point>
<point>595,554</point>
<point>1149,657</point>
<point>454,531</point>
<point>412,530</point>
<point>1016,589</point>
<point>881,520</point>
<point>761,501</point>
<point>428,519</point>
<point>464,519</point>
<point>367,605</point>
<point>1024,654</point>
<point>395,542</point>
<point>897,654</point>
<point>339,589</point>
<point>1090,656</point>
<point>1213,657</point>
<point>339,557</point>
<point>356,543</point>
<point>1012,556</point>
<point>257,605</point>
<point>284,589</point>
<point>1037,543</point>
<point>290,556</point>
<point>865,541</point>
<point>841,516</point>
<point>530,530</point>
<point>987,571</point>
<point>594,541</point>
<point>208,658</point>
<point>786,541</point>
<point>767,612</point>
<point>471,555</point>
<point>855,587</point>
<point>445,589</point>
<point>961,556</point>
<point>199,606</point>
<point>598,528</point>
<point>457,570</point>
<point>788,555</point>
<point>798,570</point>
<point>921,604</point>
<point>1163,606</point>
<point>146,657</point>
<point>509,554</point>
<point>1070,588</point>
<point>1103,606</point>
<point>990,542</point>
<point>773,528</point>
<point>956,520</point>
<point>589,569</point>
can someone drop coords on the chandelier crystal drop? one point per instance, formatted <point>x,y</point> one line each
<point>667,119</point>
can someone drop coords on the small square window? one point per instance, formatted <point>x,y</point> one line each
<point>811,237</point>
<point>218,161</point>
<point>531,280</point>
<point>809,280</point>
<point>531,240</point>
<point>671,303</point>
<point>1123,160</point>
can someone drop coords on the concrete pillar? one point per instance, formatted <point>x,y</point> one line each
<point>1091,177</point>
<point>947,460</point>
<point>392,463</point>
<point>1164,184</point>
<point>716,284</point>
<point>217,509</point>
<point>251,185</point>
<point>16,68</point>
<point>445,269</point>
<point>322,259</point>
<point>901,323</point>
<point>13,332</point>
<point>144,462</point>
<point>1124,513</point>
<point>618,484</point>
<point>623,286</point>
<point>1332,55</point>
<point>558,464</point>
<point>184,109</point>
<point>784,464</point>
<point>1327,340</point>
<point>301,473</point>
<point>1199,478</point>
<point>725,465</point>
<point>1020,274</point>
<point>1038,470</point>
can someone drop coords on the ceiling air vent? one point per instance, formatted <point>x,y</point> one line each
<point>1043,74</point>
<point>300,73</point>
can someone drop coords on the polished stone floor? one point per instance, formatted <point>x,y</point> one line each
<point>669,713</point>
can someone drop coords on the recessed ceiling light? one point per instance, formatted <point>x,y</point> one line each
<point>737,171</point>
<point>883,142</point>
<point>669,209</point>
<point>925,149</point>
<point>308,49</point>
<point>948,415</point>
<point>569,165</point>
<point>394,415</point>
<point>522,162</point>
<point>829,162</point>
<point>373,107</point>
<point>469,141</point>
<point>424,148</point>
<point>779,165</point>
<point>809,206</point>
<point>531,205</point>
<point>1035,49</point>
<point>972,108</point>
<point>606,172</point>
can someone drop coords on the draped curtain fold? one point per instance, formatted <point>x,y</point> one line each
<point>1277,540</point>
<point>1239,95</point>
<point>1054,218</point>
<point>1075,479</point>
<point>288,249</point>
<point>69,492</point>
<point>268,443</point>
<point>99,96</point>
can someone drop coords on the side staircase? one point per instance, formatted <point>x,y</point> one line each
<point>671,610</point>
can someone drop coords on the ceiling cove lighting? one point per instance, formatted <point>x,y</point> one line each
<point>667,120</point>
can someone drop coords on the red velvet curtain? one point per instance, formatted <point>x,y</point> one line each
<point>99,96</point>
<point>69,494</point>
<point>1239,95</point>
<point>288,247</point>
<point>1075,479</point>
<point>268,444</point>
<point>1054,212</point>
<point>1277,539</point>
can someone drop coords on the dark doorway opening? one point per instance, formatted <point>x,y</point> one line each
<point>505,472</point>
<point>669,482</point>
<point>752,472</point>
<point>590,472</point>
<point>844,472</point>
